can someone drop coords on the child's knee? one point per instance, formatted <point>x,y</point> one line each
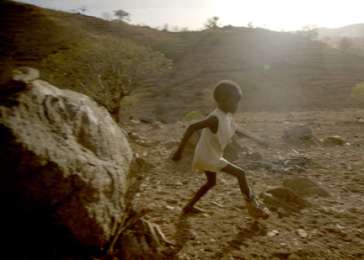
<point>239,173</point>
<point>234,170</point>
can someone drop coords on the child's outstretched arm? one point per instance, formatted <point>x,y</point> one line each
<point>211,122</point>
<point>241,133</point>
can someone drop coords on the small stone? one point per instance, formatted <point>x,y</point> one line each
<point>293,257</point>
<point>360,120</point>
<point>255,156</point>
<point>135,121</point>
<point>302,233</point>
<point>273,233</point>
<point>334,140</point>
<point>217,204</point>
<point>170,207</point>
<point>171,201</point>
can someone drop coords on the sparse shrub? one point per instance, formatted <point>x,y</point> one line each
<point>310,32</point>
<point>167,46</point>
<point>212,23</point>
<point>357,93</point>
<point>250,25</point>
<point>122,15</point>
<point>106,70</point>
<point>165,27</point>
<point>192,115</point>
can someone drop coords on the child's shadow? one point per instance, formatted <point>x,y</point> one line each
<point>183,232</point>
<point>252,230</point>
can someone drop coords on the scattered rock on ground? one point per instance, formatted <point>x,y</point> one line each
<point>284,201</point>
<point>305,187</point>
<point>299,134</point>
<point>293,164</point>
<point>302,233</point>
<point>254,156</point>
<point>334,140</point>
<point>273,233</point>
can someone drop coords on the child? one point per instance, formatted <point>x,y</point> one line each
<point>217,130</point>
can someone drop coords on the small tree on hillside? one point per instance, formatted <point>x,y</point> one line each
<point>310,32</point>
<point>122,15</point>
<point>82,9</point>
<point>212,23</point>
<point>165,27</point>
<point>250,25</point>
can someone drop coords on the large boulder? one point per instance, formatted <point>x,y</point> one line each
<point>63,155</point>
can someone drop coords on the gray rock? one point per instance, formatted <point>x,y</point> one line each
<point>305,187</point>
<point>284,201</point>
<point>62,152</point>
<point>334,140</point>
<point>299,134</point>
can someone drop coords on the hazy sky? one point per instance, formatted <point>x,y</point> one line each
<point>272,14</point>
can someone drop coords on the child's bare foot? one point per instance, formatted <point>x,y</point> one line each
<point>192,210</point>
<point>256,209</point>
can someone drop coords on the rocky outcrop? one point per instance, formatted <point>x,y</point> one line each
<point>62,153</point>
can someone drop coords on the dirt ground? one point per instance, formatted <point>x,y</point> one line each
<point>317,209</point>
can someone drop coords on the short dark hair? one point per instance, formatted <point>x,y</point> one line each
<point>225,89</point>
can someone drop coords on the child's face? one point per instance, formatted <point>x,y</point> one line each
<point>230,104</point>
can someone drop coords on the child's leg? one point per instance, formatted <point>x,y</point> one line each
<point>211,182</point>
<point>255,208</point>
<point>240,175</point>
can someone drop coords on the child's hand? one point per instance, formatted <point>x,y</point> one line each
<point>177,155</point>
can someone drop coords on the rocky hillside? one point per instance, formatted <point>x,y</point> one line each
<point>349,39</point>
<point>101,59</point>
<point>350,31</point>
<point>172,74</point>
<point>277,71</point>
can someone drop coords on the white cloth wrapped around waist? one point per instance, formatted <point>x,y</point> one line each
<point>209,150</point>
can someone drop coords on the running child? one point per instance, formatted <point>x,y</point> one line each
<point>217,131</point>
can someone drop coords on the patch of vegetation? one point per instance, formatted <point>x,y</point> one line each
<point>106,69</point>
<point>192,115</point>
<point>357,93</point>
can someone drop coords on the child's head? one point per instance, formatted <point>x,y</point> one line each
<point>227,95</point>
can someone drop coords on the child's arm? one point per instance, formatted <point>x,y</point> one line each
<point>242,133</point>
<point>211,122</point>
